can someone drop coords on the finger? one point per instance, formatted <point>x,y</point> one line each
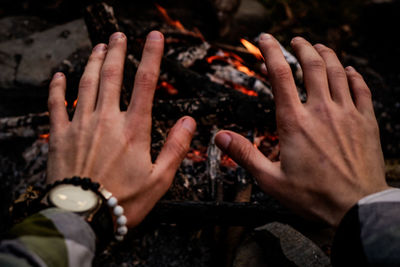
<point>245,154</point>
<point>112,73</point>
<point>337,78</point>
<point>314,70</point>
<point>56,102</point>
<point>89,83</point>
<point>361,93</point>
<point>139,110</point>
<point>175,148</point>
<point>279,73</point>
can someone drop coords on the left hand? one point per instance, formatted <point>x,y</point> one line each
<point>107,145</point>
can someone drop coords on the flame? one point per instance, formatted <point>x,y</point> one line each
<point>168,87</point>
<point>66,103</point>
<point>75,103</point>
<point>252,49</point>
<point>233,60</point>
<point>167,18</point>
<point>237,62</point>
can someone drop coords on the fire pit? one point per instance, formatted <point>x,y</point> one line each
<point>223,86</point>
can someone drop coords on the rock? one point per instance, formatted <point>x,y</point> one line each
<point>31,61</point>
<point>15,27</point>
<point>277,244</point>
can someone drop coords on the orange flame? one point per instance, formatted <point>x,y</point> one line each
<point>66,103</point>
<point>167,18</point>
<point>75,103</point>
<point>252,49</point>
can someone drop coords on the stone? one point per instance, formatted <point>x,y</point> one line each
<point>31,61</point>
<point>16,27</point>
<point>277,244</point>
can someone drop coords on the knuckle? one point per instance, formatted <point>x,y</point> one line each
<point>110,71</point>
<point>146,78</point>
<point>52,102</point>
<point>364,91</point>
<point>282,72</point>
<point>245,152</point>
<point>178,149</point>
<point>291,124</point>
<point>87,82</point>
<point>315,64</point>
<point>326,50</point>
<point>336,72</point>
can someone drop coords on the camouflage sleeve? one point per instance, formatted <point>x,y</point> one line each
<point>369,234</point>
<point>52,237</point>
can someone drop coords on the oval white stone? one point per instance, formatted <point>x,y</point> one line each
<point>73,198</point>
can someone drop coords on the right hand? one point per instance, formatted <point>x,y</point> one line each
<point>331,155</point>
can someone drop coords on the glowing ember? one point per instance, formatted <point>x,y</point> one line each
<point>196,155</point>
<point>44,136</point>
<point>228,162</point>
<point>244,90</point>
<point>252,49</point>
<point>168,19</point>
<point>168,87</point>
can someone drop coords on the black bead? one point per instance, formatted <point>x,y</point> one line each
<point>95,186</point>
<point>75,180</point>
<point>67,181</point>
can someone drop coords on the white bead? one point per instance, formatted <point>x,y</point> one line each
<point>118,211</point>
<point>112,202</point>
<point>122,230</point>
<point>121,220</point>
<point>119,237</point>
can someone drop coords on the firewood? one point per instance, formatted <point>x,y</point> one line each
<point>28,126</point>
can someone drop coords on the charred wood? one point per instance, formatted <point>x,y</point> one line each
<point>28,126</point>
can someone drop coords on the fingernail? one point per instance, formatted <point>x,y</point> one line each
<point>296,39</point>
<point>319,46</point>
<point>58,75</point>
<point>350,68</point>
<point>265,36</point>
<point>100,48</point>
<point>224,140</point>
<point>117,35</point>
<point>154,35</point>
<point>189,125</point>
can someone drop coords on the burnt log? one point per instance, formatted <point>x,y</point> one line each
<point>28,126</point>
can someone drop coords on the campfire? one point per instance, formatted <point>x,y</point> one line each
<point>221,86</point>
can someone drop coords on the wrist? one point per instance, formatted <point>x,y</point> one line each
<point>89,200</point>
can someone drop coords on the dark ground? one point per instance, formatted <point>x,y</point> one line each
<point>363,33</point>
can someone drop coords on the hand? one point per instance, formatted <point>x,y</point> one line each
<point>110,146</point>
<point>330,150</point>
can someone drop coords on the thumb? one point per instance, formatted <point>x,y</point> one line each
<point>175,148</point>
<point>246,155</point>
